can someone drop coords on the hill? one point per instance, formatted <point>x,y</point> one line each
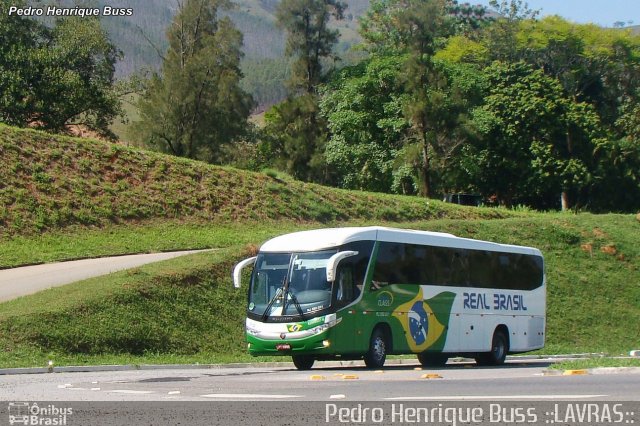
<point>634,29</point>
<point>52,182</point>
<point>61,195</point>
<point>142,36</point>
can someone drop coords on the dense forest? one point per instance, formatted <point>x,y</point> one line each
<point>436,97</point>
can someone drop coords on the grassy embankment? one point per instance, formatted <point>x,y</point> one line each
<point>64,198</point>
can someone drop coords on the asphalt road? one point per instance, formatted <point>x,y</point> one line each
<point>285,396</point>
<point>517,380</point>
<point>27,280</point>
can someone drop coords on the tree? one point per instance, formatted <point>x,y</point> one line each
<point>435,104</point>
<point>294,130</point>
<point>79,76</point>
<point>196,105</point>
<point>501,36</point>
<point>309,39</point>
<point>469,19</point>
<point>524,157</point>
<point>53,77</point>
<point>598,70</point>
<point>294,137</point>
<point>595,72</point>
<point>616,185</point>
<point>20,38</point>
<point>437,93</point>
<point>390,25</point>
<point>616,178</point>
<point>363,105</point>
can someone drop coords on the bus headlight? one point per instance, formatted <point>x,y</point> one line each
<point>326,343</point>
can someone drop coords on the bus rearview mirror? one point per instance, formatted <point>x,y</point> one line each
<point>237,271</point>
<point>332,263</point>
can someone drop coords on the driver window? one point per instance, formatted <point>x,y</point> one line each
<point>346,291</point>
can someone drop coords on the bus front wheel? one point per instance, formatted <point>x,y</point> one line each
<point>498,353</point>
<point>377,354</point>
<point>303,362</point>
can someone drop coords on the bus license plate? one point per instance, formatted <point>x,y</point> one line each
<point>283,347</point>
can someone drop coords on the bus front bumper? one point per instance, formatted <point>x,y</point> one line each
<point>312,345</point>
<point>311,337</point>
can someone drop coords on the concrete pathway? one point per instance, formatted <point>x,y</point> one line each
<point>26,280</point>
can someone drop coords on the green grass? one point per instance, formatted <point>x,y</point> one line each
<point>49,183</point>
<point>155,236</point>
<point>583,364</point>
<point>186,309</point>
<point>179,311</point>
<point>64,198</point>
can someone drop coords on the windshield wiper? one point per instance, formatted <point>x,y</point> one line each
<point>295,303</point>
<point>265,314</point>
<point>285,292</point>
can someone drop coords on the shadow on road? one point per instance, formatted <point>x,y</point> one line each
<point>471,365</point>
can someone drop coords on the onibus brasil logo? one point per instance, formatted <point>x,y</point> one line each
<point>25,413</point>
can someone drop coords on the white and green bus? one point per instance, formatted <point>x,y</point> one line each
<point>365,293</point>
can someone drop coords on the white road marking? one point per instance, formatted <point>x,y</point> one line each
<point>490,397</point>
<point>249,396</point>
<point>128,391</point>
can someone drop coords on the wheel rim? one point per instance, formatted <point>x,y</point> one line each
<point>378,349</point>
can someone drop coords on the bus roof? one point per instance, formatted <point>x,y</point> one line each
<point>327,238</point>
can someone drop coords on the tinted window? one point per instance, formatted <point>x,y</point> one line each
<point>352,272</point>
<point>415,264</point>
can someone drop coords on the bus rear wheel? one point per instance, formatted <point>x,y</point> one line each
<point>432,359</point>
<point>303,362</point>
<point>377,353</point>
<point>498,353</point>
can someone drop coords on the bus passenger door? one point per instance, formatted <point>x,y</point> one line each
<point>348,336</point>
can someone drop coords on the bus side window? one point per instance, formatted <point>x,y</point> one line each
<point>346,290</point>
<point>460,272</point>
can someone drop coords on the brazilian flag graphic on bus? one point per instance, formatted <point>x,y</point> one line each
<point>425,321</point>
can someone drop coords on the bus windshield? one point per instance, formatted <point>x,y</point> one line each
<point>290,284</point>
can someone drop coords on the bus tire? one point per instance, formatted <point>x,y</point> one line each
<point>377,353</point>
<point>430,359</point>
<point>499,349</point>
<point>303,362</point>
